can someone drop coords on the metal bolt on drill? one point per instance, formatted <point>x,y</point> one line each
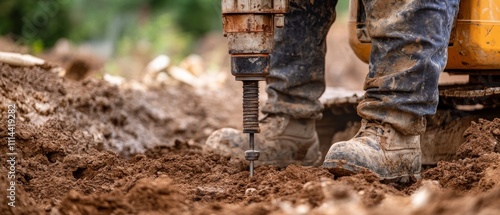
<point>249,27</point>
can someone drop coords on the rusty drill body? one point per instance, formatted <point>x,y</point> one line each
<point>249,27</point>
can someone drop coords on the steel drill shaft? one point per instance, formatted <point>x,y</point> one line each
<point>251,142</point>
<point>251,119</point>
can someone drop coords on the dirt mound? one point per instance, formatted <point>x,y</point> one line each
<point>481,138</point>
<point>89,147</point>
<point>66,131</point>
<point>479,167</point>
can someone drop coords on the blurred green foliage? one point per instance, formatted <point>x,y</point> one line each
<point>36,23</point>
<point>194,17</point>
<point>167,25</point>
<point>43,22</point>
<point>159,36</point>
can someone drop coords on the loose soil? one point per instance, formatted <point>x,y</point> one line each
<point>88,147</point>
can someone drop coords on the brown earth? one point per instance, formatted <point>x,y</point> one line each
<point>87,147</point>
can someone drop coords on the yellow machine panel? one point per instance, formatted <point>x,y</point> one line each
<point>474,41</point>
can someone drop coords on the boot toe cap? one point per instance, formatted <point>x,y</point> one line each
<point>351,157</point>
<point>343,159</point>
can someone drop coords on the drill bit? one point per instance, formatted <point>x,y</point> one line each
<point>251,154</point>
<point>251,142</point>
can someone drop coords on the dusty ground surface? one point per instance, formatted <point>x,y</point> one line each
<point>87,147</point>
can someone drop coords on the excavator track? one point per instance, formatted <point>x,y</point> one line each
<point>452,95</point>
<point>341,101</point>
<point>343,104</point>
<point>449,96</point>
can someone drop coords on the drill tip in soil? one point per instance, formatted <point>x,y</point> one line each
<point>251,154</point>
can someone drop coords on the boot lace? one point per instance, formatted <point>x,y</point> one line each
<point>373,128</point>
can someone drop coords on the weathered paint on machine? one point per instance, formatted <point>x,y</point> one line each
<point>474,41</point>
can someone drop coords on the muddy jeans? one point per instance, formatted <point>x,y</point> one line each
<point>409,51</point>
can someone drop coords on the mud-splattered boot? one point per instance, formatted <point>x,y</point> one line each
<point>379,148</point>
<point>282,141</point>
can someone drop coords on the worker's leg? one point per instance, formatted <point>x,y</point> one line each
<point>409,51</point>
<point>296,82</point>
<point>297,76</point>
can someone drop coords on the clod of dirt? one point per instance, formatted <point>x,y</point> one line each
<point>481,138</point>
<point>77,70</point>
<point>160,194</point>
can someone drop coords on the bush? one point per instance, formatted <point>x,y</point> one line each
<point>39,23</point>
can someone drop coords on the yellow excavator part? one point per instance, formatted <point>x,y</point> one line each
<point>474,41</point>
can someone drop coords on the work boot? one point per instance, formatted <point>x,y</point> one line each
<point>379,148</point>
<point>282,141</point>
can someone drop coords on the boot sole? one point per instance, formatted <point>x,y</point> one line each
<point>340,168</point>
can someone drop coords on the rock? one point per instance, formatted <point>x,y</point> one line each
<point>43,108</point>
<point>423,195</point>
<point>114,80</point>
<point>184,76</point>
<point>249,191</point>
<point>194,64</point>
<point>203,191</point>
<point>288,208</point>
<point>158,64</point>
<point>17,59</point>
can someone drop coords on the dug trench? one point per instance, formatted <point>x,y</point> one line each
<point>88,147</point>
